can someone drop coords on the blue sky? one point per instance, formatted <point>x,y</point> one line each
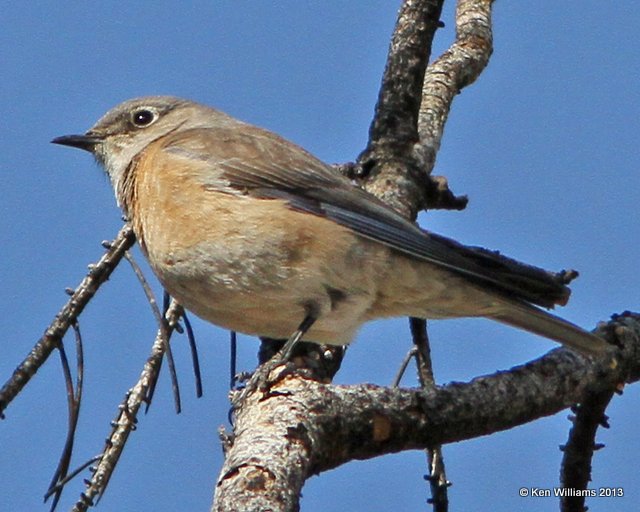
<point>545,145</point>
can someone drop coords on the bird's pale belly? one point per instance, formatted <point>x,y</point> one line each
<point>274,314</point>
<point>248,295</point>
<point>270,293</point>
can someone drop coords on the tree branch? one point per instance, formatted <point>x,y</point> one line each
<point>455,69</point>
<point>126,419</point>
<point>396,114</point>
<point>575,472</point>
<point>437,477</point>
<point>393,171</point>
<point>301,428</point>
<point>80,297</point>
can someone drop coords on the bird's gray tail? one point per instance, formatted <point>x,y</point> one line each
<point>530,318</point>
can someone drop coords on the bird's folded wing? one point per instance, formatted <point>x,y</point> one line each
<point>265,165</point>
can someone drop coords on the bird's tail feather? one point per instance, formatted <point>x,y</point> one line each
<point>537,321</point>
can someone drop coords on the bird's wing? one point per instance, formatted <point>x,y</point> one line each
<point>259,163</point>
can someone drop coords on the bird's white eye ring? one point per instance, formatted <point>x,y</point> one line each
<point>143,117</point>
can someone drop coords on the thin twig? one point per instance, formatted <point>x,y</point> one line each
<point>191,339</point>
<point>233,359</point>
<point>72,475</point>
<point>575,470</point>
<point>126,419</point>
<point>52,337</point>
<point>437,477</point>
<point>162,328</point>
<point>74,400</point>
<point>403,366</point>
<point>65,456</point>
<point>421,343</point>
<point>195,360</point>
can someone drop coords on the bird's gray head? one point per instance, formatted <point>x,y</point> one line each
<point>130,127</point>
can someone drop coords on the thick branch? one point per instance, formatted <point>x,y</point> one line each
<point>302,427</point>
<point>401,152</point>
<point>389,160</point>
<point>396,115</point>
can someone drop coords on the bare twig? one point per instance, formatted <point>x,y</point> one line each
<point>590,414</point>
<point>456,68</point>
<point>52,337</point>
<point>421,343</point>
<point>74,399</point>
<point>70,476</point>
<point>437,477</point>
<point>125,422</point>
<point>403,366</point>
<point>193,348</point>
<point>233,359</point>
<point>161,326</point>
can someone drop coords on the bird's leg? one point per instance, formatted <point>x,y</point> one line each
<point>259,380</point>
<point>285,352</point>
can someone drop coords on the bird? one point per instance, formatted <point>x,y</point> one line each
<point>254,234</point>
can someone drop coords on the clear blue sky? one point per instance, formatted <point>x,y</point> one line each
<point>545,145</point>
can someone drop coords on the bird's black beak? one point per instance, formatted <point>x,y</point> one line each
<point>86,142</point>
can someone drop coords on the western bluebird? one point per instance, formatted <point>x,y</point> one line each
<point>253,233</point>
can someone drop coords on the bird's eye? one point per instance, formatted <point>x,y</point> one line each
<point>143,117</point>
